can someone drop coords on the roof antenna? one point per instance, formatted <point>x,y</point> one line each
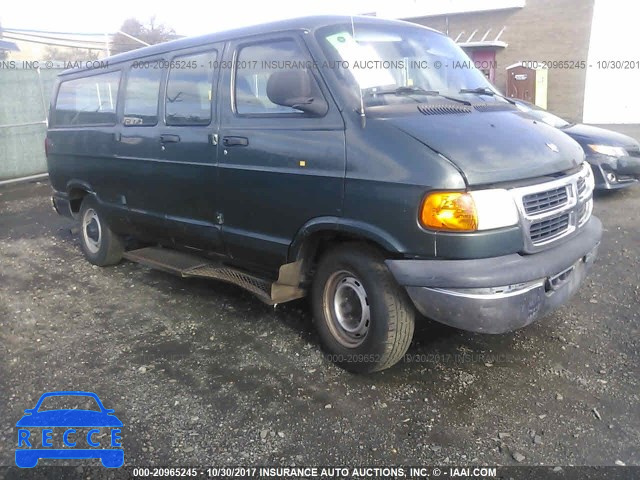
<point>363,118</point>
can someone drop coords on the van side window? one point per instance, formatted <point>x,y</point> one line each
<point>189,89</point>
<point>87,101</point>
<point>256,64</point>
<point>141,96</point>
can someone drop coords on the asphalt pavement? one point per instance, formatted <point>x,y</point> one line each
<point>203,373</point>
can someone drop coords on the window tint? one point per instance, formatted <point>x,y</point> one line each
<point>87,101</point>
<point>141,96</point>
<point>256,64</point>
<point>189,94</point>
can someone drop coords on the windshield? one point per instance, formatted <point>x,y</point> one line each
<point>381,59</point>
<point>543,116</point>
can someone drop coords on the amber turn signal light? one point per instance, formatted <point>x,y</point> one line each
<point>449,211</point>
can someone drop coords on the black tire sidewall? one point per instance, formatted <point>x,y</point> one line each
<point>110,247</point>
<point>366,356</point>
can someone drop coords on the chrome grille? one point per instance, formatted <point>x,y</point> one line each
<point>554,210</point>
<point>544,230</point>
<point>585,212</point>
<point>545,201</point>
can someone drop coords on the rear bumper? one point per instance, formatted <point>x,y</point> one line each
<point>497,295</point>
<point>61,205</point>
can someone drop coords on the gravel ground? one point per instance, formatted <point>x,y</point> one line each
<point>202,373</point>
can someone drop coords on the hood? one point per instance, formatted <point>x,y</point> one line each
<point>493,147</point>
<point>586,134</point>
<point>69,418</point>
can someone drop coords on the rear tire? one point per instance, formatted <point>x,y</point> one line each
<point>100,245</point>
<point>364,318</point>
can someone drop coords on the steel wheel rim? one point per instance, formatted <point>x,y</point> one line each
<point>347,308</point>
<point>91,230</point>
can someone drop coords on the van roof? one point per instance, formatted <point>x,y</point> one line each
<point>302,23</point>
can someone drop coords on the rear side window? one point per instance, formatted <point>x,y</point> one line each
<point>189,89</point>
<point>87,101</point>
<point>141,95</point>
<point>256,64</point>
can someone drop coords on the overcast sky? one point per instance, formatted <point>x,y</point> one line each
<point>187,17</point>
<point>190,17</point>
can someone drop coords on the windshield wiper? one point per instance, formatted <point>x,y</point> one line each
<point>416,91</point>
<point>486,91</point>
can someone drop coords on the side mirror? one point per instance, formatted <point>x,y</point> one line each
<point>29,411</point>
<point>109,411</point>
<point>312,105</point>
<point>297,89</point>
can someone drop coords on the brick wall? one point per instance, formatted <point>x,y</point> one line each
<point>542,30</point>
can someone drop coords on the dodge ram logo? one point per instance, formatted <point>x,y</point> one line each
<point>553,147</point>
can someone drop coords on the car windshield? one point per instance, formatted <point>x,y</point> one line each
<point>543,116</point>
<point>399,63</point>
<point>69,402</point>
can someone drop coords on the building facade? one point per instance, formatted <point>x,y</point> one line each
<point>581,51</point>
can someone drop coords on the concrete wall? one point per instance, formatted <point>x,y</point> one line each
<point>611,94</point>
<point>543,30</point>
<point>24,103</point>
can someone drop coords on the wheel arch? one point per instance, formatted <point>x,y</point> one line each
<point>319,234</point>
<point>77,190</point>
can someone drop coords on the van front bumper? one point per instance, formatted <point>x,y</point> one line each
<point>500,294</point>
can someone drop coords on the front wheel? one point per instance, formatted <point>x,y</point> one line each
<point>364,318</point>
<point>99,244</point>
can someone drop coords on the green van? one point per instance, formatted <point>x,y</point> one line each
<point>360,161</point>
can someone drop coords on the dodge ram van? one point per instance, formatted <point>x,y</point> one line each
<point>363,162</point>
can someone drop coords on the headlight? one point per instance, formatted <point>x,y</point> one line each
<point>608,150</point>
<point>469,211</point>
<point>496,209</point>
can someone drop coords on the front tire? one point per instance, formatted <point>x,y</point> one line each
<point>100,245</point>
<point>364,318</point>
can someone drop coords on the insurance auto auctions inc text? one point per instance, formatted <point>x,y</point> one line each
<point>367,472</point>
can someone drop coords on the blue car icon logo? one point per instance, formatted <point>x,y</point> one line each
<point>69,433</point>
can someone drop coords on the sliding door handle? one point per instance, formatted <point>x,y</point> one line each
<point>166,138</point>
<point>235,141</point>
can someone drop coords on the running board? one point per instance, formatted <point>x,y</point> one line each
<point>187,265</point>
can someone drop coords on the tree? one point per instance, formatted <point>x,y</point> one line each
<point>151,33</point>
<point>71,54</point>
